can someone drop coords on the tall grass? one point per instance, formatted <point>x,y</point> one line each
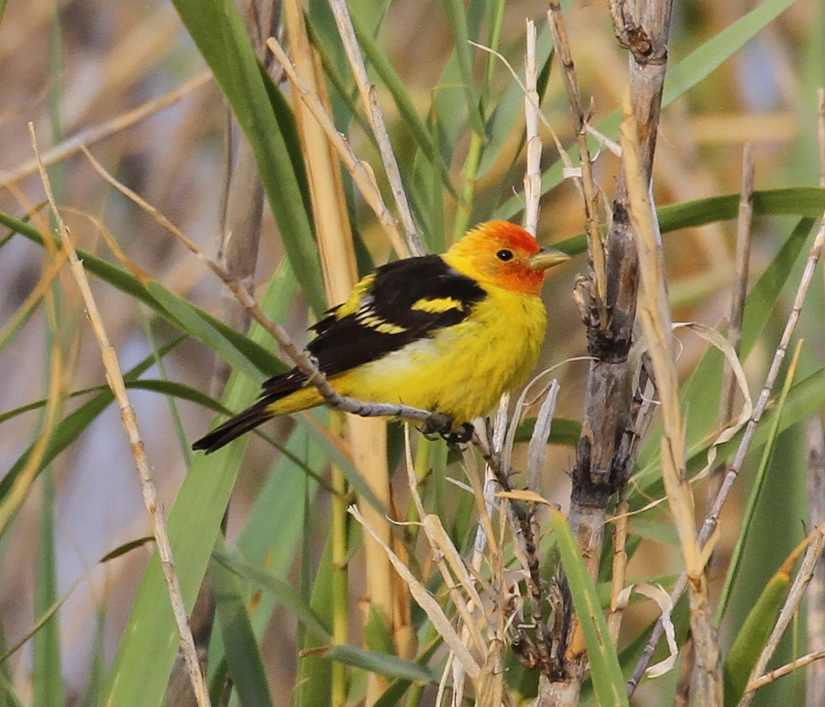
<point>422,596</point>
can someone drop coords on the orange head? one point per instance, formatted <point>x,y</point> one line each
<point>503,254</point>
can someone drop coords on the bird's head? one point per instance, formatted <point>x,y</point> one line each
<point>503,254</point>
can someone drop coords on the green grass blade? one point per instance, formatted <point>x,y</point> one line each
<point>283,591</point>
<point>700,63</point>
<point>272,531</point>
<point>746,649</point>
<point>44,619</point>
<point>241,648</point>
<point>605,672</point>
<point>387,665</point>
<point>192,324</point>
<point>97,670</point>
<point>47,677</point>
<point>8,697</point>
<point>314,673</point>
<point>454,9</point>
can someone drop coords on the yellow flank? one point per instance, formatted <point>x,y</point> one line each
<point>373,321</point>
<point>438,304</point>
<point>460,371</point>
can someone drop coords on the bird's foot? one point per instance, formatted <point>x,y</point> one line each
<point>452,437</point>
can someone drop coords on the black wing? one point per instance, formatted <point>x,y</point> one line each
<point>407,300</point>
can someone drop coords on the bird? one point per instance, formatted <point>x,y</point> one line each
<point>444,333</point>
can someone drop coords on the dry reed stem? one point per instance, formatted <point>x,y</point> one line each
<point>815,482</point>
<point>376,118</point>
<point>813,555</point>
<point>532,176</point>
<point>815,486</point>
<point>115,380</point>
<point>340,274</point>
<point>428,603</point>
<point>614,617</point>
<point>524,533</point>
<point>299,358</point>
<point>368,438</point>
<point>740,289</point>
<point>611,414</point>
<point>90,136</point>
<point>360,171</point>
<point>712,518</point>
<point>485,509</point>
<point>654,313</point>
<point>537,447</point>
<point>595,244</point>
<point>475,613</point>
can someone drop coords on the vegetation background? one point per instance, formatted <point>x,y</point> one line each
<point>127,80</point>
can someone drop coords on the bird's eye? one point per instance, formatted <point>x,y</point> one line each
<point>505,255</point>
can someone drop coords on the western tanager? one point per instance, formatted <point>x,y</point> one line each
<point>447,333</point>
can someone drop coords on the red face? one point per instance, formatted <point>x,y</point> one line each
<point>499,253</point>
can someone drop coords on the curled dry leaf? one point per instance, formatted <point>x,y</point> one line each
<point>662,598</point>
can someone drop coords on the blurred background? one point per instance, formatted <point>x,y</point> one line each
<point>126,79</point>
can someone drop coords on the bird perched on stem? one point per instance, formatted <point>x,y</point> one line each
<point>446,333</point>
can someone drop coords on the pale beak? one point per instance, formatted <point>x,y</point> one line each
<point>546,258</point>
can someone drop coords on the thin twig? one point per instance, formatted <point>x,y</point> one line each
<point>360,171</point>
<point>595,245</point>
<point>812,555</point>
<point>90,136</point>
<point>735,314</point>
<point>302,362</point>
<point>376,118</point>
<point>712,518</point>
<point>114,378</point>
<point>787,669</point>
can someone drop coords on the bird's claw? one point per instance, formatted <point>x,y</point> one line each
<point>463,435</point>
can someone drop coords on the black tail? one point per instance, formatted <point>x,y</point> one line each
<point>234,428</point>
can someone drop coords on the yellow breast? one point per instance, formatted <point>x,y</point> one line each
<point>461,370</point>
